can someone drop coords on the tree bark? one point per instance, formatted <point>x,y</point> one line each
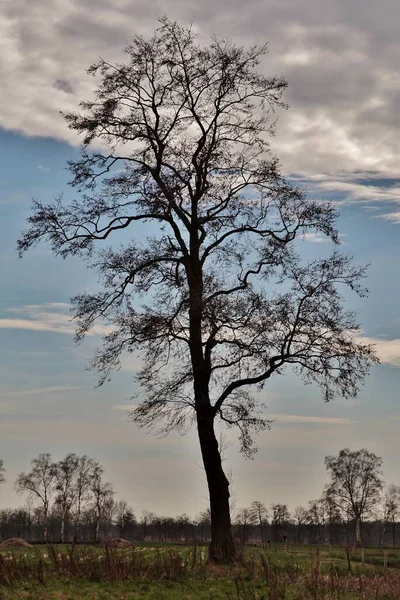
<point>62,531</point>
<point>358,531</point>
<point>97,530</point>
<point>222,548</point>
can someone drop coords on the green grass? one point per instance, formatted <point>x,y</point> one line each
<point>180,572</point>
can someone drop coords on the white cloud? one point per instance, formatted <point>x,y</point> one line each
<point>315,238</point>
<point>298,419</point>
<point>43,169</point>
<point>43,390</point>
<point>50,316</point>
<point>388,351</point>
<point>394,217</point>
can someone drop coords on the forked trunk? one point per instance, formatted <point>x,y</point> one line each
<point>222,548</point>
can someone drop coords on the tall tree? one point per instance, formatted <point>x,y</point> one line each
<point>66,472</point>
<point>356,483</point>
<point>229,302</point>
<point>39,484</point>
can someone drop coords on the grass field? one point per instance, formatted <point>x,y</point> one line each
<point>179,572</point>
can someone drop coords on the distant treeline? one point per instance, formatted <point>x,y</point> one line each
<point>69,500</point>
<point>120,521</point>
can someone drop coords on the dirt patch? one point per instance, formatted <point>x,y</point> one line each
<point>15,543</point>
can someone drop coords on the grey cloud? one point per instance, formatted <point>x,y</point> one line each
<point>65,86</point>
<point>339,56</point>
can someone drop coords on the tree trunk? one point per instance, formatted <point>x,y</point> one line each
<point>383,534</point>
<point>97,530</point>
<point>78,518</point>
<point>358,531</point>
<point>262,531</point>
<point>62,531</point>
<point>45,531</point>
<point>45,525</point>
<point>222,548</point>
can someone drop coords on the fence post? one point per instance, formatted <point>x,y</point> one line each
<point>362,555</point>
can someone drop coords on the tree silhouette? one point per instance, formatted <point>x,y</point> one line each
<point>207,286</point>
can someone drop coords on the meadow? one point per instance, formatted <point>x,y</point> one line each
<point>181,572</point>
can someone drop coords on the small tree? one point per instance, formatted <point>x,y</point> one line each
<point>356,483</point>
<point>391,511</point>
<point>333,512</point>
<point>280,519</point>
<point>316,519</point>
<point>123,516</point>
<point>66,471</point>
<point>102,494</point>
<point>244,520</point>
<point>300,518</point>
<point>258,515</point>
<point>229,301</point>
<point>203,521</point>
<point>39,484</point>
<point>85,469</point>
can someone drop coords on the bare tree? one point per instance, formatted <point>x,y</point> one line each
<point>391,511</point>
<point>258,515</point>
<point>39,484</point>
<point>203,521</point>
<point>66,471</point>
<point>243,518</point>
<point>300,518</point>
<point>102,493</point>
<point>280,519</point>
<point>356,483</point>
<point>316,519</point>
<point>229,302</point>
<point>333,512</point>
<point>123,516</point>
<point>85,469</point>
<point>2,471</point>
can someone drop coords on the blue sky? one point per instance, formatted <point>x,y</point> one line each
<point>48,402</point>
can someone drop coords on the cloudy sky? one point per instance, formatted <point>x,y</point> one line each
<point>340,137</point>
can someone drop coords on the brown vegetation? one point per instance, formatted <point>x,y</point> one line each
<point>15,543</point>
